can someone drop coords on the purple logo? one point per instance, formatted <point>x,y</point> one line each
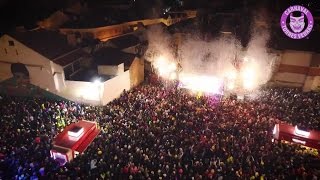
<point>300,27</point>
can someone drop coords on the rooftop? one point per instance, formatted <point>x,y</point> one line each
<point>90,75</point>
<point>71,57</point>
<point>38,40</point>
<point>101,17</point>
<point>112,56</point>
<point>159,25</point>
<point>50,44</point>
<point>125,41</point>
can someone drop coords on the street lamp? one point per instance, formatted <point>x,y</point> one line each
<point>97,82</point>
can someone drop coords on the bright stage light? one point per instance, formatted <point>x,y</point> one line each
<point>232,75</point>
<point>249,77</point>
<point>165,68</point>
<point>172,67</point>
<point>159,62</point>
<point>248,74</point>
<point>173,76</point>
<point>230,85</point>
<point>200,83</point>
<point>248,85</point>
<point>97,82</point>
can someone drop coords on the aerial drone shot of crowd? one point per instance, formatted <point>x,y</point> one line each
<point>158,132</point>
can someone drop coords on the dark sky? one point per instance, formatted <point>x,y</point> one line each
<point>28,12</point>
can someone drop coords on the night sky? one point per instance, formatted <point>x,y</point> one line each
<point>27,12</point>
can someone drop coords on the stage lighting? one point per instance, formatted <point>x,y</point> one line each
<point>97,82</point>
<point>248,85</point>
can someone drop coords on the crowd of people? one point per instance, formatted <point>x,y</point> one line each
<point>157,132</point>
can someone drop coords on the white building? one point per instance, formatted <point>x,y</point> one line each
<point>46,59</point>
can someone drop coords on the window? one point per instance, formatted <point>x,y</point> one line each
<point>11,43</point>
<point>17,52</point>
<point>5,50</point>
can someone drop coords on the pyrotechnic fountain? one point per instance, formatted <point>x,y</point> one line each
<point>212,66</point>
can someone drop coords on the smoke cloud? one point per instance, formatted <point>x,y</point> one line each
<point>257,50</point>
<point>210,58</point>
<point>159,43</point>
<point>216,57</point>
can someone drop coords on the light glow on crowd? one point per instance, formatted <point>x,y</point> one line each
<point>165,68</point>
<point>230,76</point>
<point>246,78</point>
<point>249,75</point>
<point>196,83</point>
<point>201,83</point>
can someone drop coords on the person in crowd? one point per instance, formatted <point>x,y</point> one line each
<point>157,132</point>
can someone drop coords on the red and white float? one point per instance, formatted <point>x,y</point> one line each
<point>73,140</point>
<point>293,134</point>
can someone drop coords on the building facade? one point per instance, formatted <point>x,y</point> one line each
<point>297,69</point>
<point>46,60</point>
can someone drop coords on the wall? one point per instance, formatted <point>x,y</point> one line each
<point>298,69</point>
<point>293,68</point>
<point>308,84</point>
<point>111,70</point>
<point>115,86</point>
<point>316,84</point>
<point>58,76</point>
<point>82,92</point>
<point>315,62</point>
<point>296,80</point>
<point>39,67</point>
<point>136,72</point>
<point>5,71</point>
<point>298,58</point>
<point>96,94</point>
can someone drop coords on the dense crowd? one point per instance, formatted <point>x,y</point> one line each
<point>156,132</point>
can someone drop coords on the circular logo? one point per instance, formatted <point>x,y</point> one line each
<point>299,27</point>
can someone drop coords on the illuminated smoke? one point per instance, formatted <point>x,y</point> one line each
<point>257,50</point>
<point>159,44</point>
<point>217,57</point>
<point>210,58</point>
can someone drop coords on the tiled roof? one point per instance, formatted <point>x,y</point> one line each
<point>125,41</point>
<point>69,58</point>
<point>50,44</point>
